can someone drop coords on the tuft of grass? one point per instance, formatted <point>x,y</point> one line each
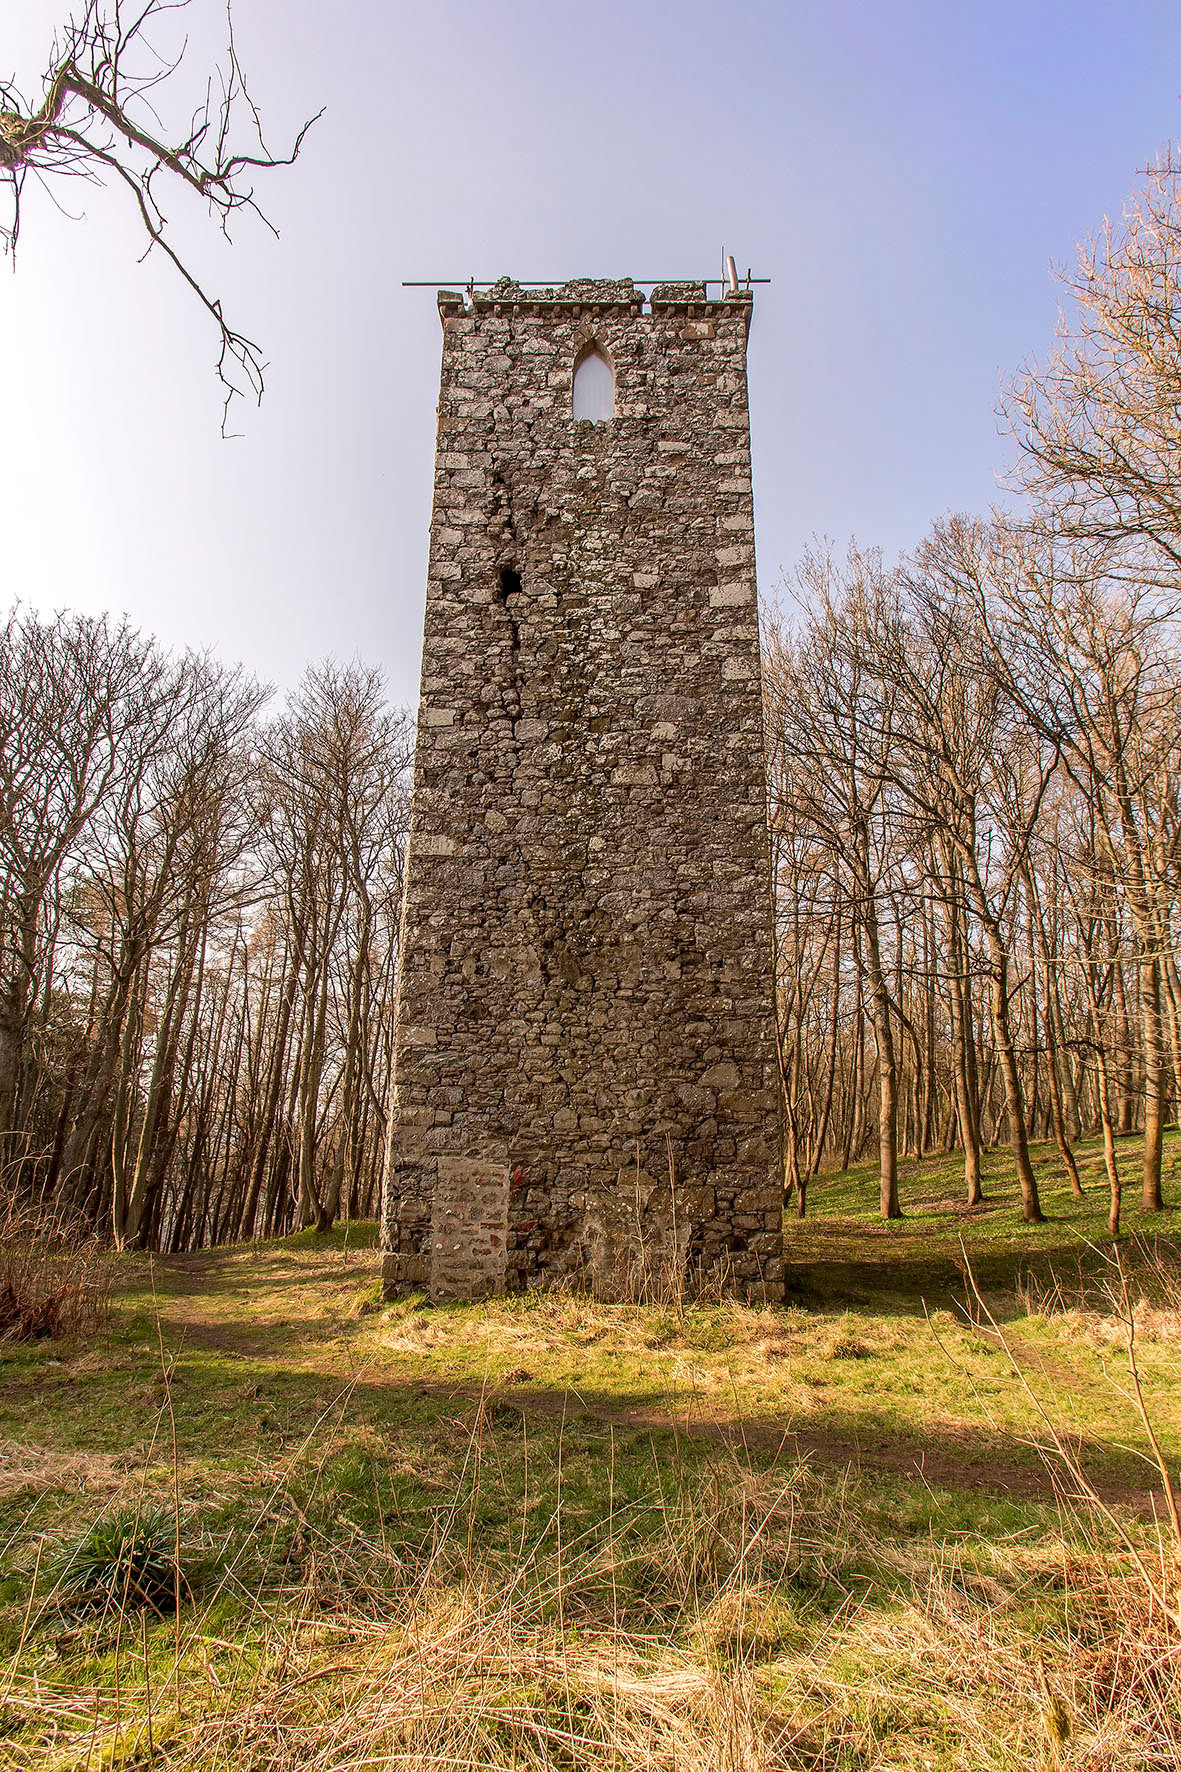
<point>125,1561</point>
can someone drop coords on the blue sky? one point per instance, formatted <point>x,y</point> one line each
<point>907,174</point>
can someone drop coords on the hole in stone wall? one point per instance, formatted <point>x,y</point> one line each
<point>508,585</point>
<point>594,386</point>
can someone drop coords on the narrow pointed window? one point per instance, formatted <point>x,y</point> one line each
<point>594,386</point>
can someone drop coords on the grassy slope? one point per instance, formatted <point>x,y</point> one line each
<point>826,1469</point>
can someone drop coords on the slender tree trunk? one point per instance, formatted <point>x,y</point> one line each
<point>1052,1023</point>
<point>963,1065</point>
<point>121,1123</point>
<point>965,1105</point>
<point>1154,1083</point>
<point>159,1092</point>
<point>855,1133</point>
<point>1006,1055</point>
<point>1109,1156</point>
<point>1103,1094</point>
<point>270,1112</point>
<point>884,1040</point>
<point>834,1037</point>
<point>1125,1085</point>
<point>1059,1118</point>
<point>1172,1011</point>
<point>930,1072</point>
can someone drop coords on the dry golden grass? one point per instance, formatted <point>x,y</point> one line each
<point>55,1278</point>
<point>365,1661</point>
<point>28,1470</point>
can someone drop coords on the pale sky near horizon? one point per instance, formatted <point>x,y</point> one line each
<point>906,173</point>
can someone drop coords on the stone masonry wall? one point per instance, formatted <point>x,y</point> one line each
<point>585,1074</point>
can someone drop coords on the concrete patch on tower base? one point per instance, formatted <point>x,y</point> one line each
<point>469,1229</point>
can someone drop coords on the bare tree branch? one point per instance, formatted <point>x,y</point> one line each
<point>96,121</point>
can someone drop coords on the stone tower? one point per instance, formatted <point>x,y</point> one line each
<point>585,1075</point>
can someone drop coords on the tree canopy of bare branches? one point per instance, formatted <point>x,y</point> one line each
<point>198,935</point>
<point>1099,424</point>
<point>976,777</point>
<point>976,802</point>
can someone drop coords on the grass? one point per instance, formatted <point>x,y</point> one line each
<point>920,1253</point>
<point>551,1532</point>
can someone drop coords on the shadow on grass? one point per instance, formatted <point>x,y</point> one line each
<point>844,1253</point>
<point>899,1280</point>
<point>249,1412</point>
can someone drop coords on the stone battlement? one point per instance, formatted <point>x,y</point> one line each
<point>583,295</point>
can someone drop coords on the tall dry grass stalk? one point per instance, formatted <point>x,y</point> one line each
<point>1125,1662</point>
<point>726,1623</point>
<point>1119,1303</point>
<point>55,1274</point>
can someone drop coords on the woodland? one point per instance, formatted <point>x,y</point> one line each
<point>975,809</point>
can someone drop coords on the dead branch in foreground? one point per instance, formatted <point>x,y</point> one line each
<point>97,120</point>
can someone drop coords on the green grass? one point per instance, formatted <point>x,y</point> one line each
<point>813,1493</point>
<point>843,1249</point>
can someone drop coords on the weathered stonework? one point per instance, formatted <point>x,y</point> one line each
<point>585,1073</point>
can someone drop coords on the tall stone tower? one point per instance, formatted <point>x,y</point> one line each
<point>586,1075</point>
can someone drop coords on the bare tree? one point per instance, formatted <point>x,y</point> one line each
<point>97,120</point>
<point>1088,659</point>
<point>331,807</point>
<point>197,831</point>
<point>830,723</point>
<point>70,690</point>
<point>198,936</point>
<point>978,777</point>
<point>1099,424</point>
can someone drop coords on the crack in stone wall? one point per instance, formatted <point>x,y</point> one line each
<point>586,982</point>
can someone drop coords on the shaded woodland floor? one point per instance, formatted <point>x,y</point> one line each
<point>843,1252</point>
<point>550,1532</point>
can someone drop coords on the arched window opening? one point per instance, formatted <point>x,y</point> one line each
<point>594,386</point>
